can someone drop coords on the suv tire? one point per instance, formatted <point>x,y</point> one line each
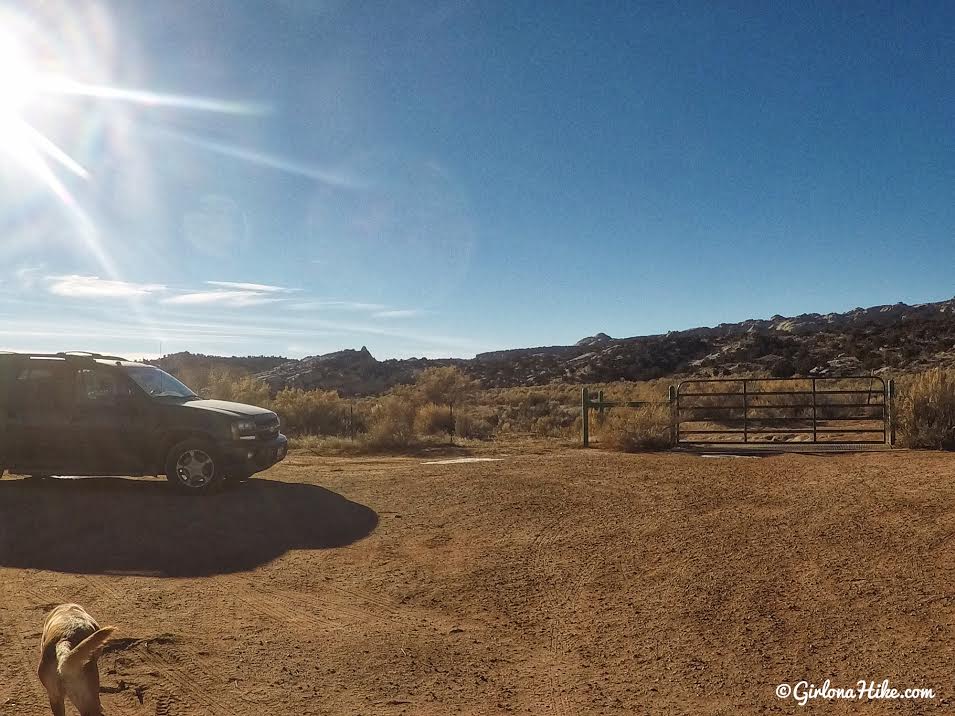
<point>194,467</point>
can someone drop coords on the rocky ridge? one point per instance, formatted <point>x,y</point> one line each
<point>860,341</point>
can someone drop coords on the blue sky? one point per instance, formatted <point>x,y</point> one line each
<point>442,178</point>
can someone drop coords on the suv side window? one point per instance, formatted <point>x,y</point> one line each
<point>40,387</point>
<point>95,386</point>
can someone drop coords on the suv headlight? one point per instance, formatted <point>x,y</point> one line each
<point>243,430</point>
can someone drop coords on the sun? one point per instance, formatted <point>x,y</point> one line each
<point>19,84</point>
<point>33,57</point>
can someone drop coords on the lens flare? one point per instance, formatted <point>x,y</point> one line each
<point>33,54</point>
<point>17,77</point>
<point>56,59</point>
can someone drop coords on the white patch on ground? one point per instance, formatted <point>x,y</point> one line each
<point>457,460</point>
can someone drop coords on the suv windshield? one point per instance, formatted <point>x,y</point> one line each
<point>158,383</point>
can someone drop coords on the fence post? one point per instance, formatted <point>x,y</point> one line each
<point>814,421</point>
<point>585,415</point>
<point>674,416</point>
<point>745,413</point>
<point>600,403</point>
<point>890,388</point>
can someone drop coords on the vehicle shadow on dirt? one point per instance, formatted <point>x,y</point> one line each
<point>123,526</point>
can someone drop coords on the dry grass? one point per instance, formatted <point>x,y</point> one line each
<point>636,429</point>
<point>925,411</point>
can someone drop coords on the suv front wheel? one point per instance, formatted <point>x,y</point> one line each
<point>193,466</point>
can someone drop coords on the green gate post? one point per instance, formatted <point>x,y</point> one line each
<point>585,415</point>
<point>671,396</point>
<point>890,388</point>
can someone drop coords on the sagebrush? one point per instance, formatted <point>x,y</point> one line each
<point>925,410</point>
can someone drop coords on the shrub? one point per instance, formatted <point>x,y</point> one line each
<point>637,429</point>
<point>925,413</point>
<point>392,422</point>
<point>245,389</point>
<point>467,425</point>
<point>548,426</point>
<point>433,419</point>
<point>315,412</point>
<point>444,386</point>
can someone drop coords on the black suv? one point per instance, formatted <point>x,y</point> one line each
<point>88,414</point>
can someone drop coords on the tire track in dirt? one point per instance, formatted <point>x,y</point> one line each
<point>193,688</point>
<point>334,608</point>
<point>558,599</point>
<point>103,586</point>
<point>541,545</point>
<point>165,705</point>
<point>329,608</point>
<point>26,689</point>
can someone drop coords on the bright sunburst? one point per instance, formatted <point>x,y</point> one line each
<point>19,141</point>
<point>32,59</point>
<point>47,56</point>
<point>17,77</point>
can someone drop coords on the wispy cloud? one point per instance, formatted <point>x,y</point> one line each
<point>75,286</point>
<point>321,305</point>
<point>232,294</point>
<point>258,287</point>
<point>227,299</point>
<point>401,313</point>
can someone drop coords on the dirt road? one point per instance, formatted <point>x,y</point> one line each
<point>565,582</point>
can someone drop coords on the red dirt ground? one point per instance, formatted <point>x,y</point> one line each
<point>561,582</point>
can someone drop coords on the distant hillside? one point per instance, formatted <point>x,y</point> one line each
<point>350,372</point>
<point>859,341</point>
<point>187,364</point>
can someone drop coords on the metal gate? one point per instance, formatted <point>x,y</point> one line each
<point>734,411</point>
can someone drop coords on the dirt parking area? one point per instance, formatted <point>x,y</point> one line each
<point>547,582</point>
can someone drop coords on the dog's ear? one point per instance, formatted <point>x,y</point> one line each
<point>85,651</point>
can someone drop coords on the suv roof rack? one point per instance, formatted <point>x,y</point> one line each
<point>79,355</point>
<point>87,354</point>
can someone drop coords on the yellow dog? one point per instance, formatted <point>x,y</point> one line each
<point>71,643</point>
